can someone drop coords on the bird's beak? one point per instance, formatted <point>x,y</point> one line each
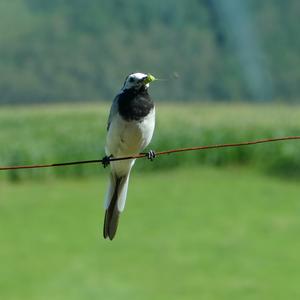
<point>149,79</point>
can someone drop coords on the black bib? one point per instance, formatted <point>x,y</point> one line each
<point>134,104</point>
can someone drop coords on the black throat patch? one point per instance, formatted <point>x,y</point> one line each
<point>134,104</point>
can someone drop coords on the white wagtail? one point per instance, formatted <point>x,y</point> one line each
<point>130,128</point>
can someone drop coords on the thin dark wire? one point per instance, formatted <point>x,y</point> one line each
<point>144,155</point>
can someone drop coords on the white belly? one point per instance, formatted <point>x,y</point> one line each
<point>128,138</point>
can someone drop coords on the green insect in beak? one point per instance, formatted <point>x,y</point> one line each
<point>149,79</point>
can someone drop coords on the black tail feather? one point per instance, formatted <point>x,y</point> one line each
<point>112,213</point>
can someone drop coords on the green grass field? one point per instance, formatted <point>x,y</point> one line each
<point>42,134</point>
<point>186,233</point>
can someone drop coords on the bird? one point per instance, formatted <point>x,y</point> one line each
<point>130,129</point>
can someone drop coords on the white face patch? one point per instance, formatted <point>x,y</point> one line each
<point>134,81</point>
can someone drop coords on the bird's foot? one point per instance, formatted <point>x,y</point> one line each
<point>151,155</point>
<point>106,161</point>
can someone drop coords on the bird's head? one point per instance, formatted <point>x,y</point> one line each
<point>138,81</point>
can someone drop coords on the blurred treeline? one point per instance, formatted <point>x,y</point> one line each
<point>66,50</point>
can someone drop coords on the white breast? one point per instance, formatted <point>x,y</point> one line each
<point>126,138</point>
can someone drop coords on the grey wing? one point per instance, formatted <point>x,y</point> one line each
<point>113,111</point>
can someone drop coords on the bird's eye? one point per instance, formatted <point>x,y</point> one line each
<point>131,79</point>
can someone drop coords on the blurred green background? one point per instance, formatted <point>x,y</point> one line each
<point>217,224</point>
<point>60,50</point>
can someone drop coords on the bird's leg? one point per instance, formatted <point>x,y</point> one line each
<point>151,155</point>
<point>106,160</point>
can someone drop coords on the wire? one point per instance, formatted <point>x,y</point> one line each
<point>145,155</point>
